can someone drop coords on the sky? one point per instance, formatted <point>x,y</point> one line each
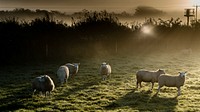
<point>109,5</point>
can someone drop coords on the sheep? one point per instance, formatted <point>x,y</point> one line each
<point>148,76</point>
<point>73,68</point>
<point>171,81</point>
<point>63,74</point>
<point>43,83</point>
<point>105,70</point>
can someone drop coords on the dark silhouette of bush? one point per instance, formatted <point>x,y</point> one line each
<point>93,24</point>
<point>45,38</point>
<point>96,33</point>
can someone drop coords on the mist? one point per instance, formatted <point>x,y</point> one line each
<point>39,40</point>
<point>102,32</point>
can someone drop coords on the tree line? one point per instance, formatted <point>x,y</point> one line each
<point>96,33</point>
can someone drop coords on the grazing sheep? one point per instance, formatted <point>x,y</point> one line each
<point>63,74</point>
<point>43,83</point>
<point>73,68</point>
<point>148,76</point>
<point>171,81</point>
<point>105,70</point>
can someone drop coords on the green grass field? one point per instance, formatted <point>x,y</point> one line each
<point>87,92</point>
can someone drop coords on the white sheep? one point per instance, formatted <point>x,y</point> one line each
<point>148,76</point>
<point>105,70</point>
<point>171,81</point>
<point>43,83</point>
<point>63,74</point>
<point>73,68</point>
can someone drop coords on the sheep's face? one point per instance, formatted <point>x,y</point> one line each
<point>103,65</point>
<point>76,65</point>
<point>41,78</point>
<point>161,71</point>
<point>182,74</point>
<point>46,78</point>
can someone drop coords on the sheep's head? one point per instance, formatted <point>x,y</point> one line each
<point>47,79</point>
<point>42,78</point>
<point>161,71</point>
<point>104,63</point>
<point>76,65</point>
<point>182,74</point>
<point>103,66</point>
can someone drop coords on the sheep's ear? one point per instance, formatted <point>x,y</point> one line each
<point>185,72</point>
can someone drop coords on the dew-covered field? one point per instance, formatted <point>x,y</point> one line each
<point>87,91</point>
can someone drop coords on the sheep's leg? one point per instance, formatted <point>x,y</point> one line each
<point>137,83</point>
<point>72,76</point>
<point>179,91</point>
<point>104,77</point>
<point>48,93</point>
<point>41,93</point>
<point>45,93</point>
<point>152,85</point>
<point>158,90</point>
<point>34,91</point>
<point>140,84</point>
<point>65,80</point>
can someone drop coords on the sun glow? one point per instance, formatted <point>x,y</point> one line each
<point>147,29</point>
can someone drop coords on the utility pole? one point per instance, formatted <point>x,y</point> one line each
<point>196,12</point>
<point>189,13</point>
<point>196,8</point>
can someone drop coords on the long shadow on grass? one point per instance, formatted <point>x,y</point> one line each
<point>75,89</point>
<point>16,91</point>
<point>15,100</point>
<point>143,101</point>
<point>22,99</point>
